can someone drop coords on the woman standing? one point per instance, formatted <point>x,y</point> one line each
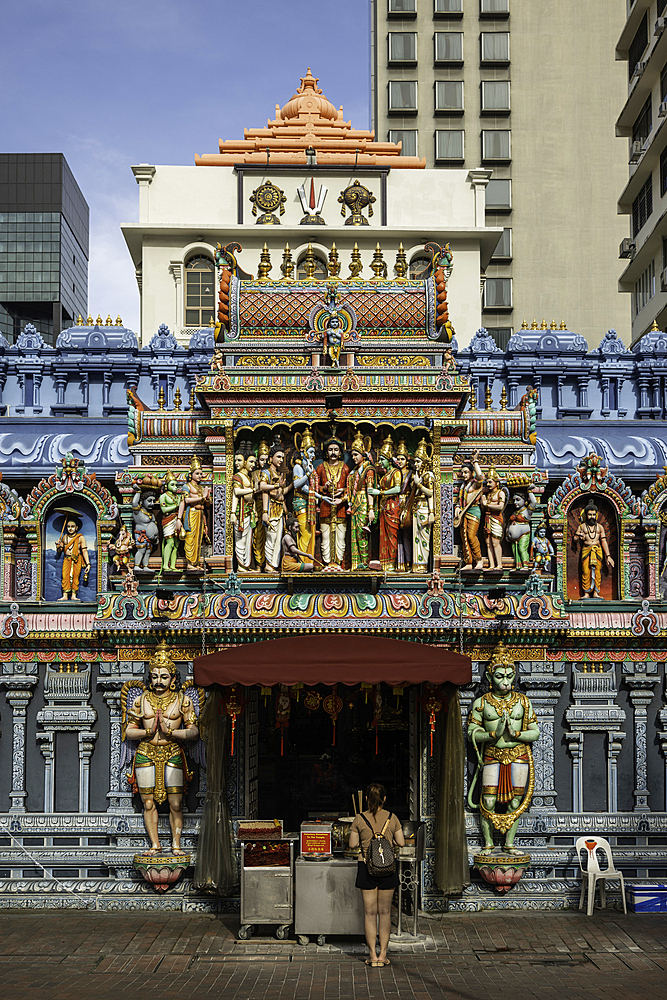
<point>377,892</point>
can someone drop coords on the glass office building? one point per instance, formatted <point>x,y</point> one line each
<point>43,245</point>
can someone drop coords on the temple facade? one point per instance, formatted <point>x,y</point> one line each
<point>333,447</point>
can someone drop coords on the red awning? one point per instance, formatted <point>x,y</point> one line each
<point>330,658</point>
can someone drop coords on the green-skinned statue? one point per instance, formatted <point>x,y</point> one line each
<point>502,727</point>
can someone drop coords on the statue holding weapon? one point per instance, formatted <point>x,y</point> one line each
<point>502,726</point>
<point>72,547</point>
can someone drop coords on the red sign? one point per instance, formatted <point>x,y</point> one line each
<point>316,841</point>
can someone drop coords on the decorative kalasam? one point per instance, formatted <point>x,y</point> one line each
<point>502,727</point>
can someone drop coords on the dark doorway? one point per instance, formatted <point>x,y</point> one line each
<point>315,777</point>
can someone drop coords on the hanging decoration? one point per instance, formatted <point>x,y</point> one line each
<point>377,712</point>
<point>333,706</point>
<point>433,704</point>
<point>312,700</point>
<point>283,710</point>
<point>233,708</point>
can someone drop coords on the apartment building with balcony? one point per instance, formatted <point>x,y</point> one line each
<point>525,89</point>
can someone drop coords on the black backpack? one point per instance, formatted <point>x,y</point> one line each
<point>380,858</point>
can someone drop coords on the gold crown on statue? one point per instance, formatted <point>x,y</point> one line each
<point>360,443</point>
<point>424,450</point>
<point>304,441</point>
<point>501,657</point>
<point>263,448</point>
<point>194,463</point>
<point>162,658</point>
<point>387,449</point>
<point>402,450</point>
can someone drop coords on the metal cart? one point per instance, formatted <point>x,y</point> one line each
<point>327,901</point>
<point>267,888</point>
<point>410,860</point>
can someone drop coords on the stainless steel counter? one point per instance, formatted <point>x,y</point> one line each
<point>326,899</point>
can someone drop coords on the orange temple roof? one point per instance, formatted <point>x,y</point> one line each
<point>309,120</point>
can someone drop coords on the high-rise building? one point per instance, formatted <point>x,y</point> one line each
<point>43,244</point>
<point>531,91</point>
<point>643,45</point>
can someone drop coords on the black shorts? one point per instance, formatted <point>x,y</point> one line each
<point>366,881</point>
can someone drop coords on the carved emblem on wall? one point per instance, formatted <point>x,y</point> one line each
<point>356,198</point>
<point>312,207</point>
<point>268,199</point>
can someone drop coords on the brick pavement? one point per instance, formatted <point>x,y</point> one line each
<point>81,955</point>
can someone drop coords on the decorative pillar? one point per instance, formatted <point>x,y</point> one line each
<point>19,692</point>
<point>86,741</point>
<point>176,271</point>
<point>594,691</point>
<point>119,795</point>
<point>543,684</point>
<point>512,391</point>
<point>47,749</point>
<point>575,745</point>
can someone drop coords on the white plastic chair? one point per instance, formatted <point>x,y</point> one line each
<point>591,873</point>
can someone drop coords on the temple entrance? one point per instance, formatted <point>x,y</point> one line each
<point>315,776</point>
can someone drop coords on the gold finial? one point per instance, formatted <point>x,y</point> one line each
<point>211,322</point>
<point>99,320</point>
<point>160,398</point>
<point>79,321</point>
<point>488,398</point>
<point>109,321</point>
<point>309,263</point>
<point>334,262</point>
<point>544,325</point>
<point>524,325</point>
<point>503,398</point>
<point>378,264</point>
<point>553,325</point>
<point>193,398</point>
<point>265,265</point>
<point>563,325</point>
<point>177,398</point>
<point>90,321</point>
<point>119,321</point>
<point>533,325</point>
<point>355,263</point>
<point>401,264</point>
<point>287,266</point>
<point>472,398</point>
<point>654,326</point>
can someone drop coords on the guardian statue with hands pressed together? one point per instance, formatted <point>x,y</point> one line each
<point>502,726</point>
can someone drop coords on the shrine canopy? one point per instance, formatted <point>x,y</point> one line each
<point>329,658</point>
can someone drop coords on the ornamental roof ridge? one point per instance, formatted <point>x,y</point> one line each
<point>309,121</point>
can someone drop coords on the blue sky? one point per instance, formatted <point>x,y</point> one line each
<point>115,82</point>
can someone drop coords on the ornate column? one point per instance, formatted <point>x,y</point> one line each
<point>594,690</point>
<point>543,684</point>
<point>46,743</point>
<point>19,692</point>
<point>641,678</point>
<point>119,796</point>
<point>176,271</point>
<point>86,741</point>
<point>575,745</point>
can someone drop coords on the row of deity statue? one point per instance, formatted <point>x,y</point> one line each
<point>480,504</point>
<point>297,512</point>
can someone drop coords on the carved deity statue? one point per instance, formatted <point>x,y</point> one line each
<point>405,466</point>
<point>468,512</point>
<point>243,509</point>
<point>162,718</point>
<point>360,503</point>
<point>494,500</point>
<point>71,545</point>
<point>295,560</point>
<point>259,533</point>
<point>594,551</point>
<point>146,534</point>
<point>424,485</point>
<point>541,550</point>
<point>170,503</point>
<point>121,550</point>
<point>518,528</point>
<point>303,505</point>
<point>192,514</point>
<point>502,726</point>
<point>330,479</point>
<point>388,490</point>
<point>272,485</point>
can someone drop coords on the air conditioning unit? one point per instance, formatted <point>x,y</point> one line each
<point>639,69</point>
<point>636,151</point>
<point>662,110</point>
<point>663,281</point>
<point>627,249</point>
<point>660,26</point>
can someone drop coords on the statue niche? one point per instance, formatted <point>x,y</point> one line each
<point>70,553</point>
<point>587,563</point>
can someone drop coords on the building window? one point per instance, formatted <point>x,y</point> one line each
<point>643,125</point>
<point>495,95</point>
<point>637,46</point>
<point>663,82</point>
<point>449,96</point>
<point>644,289</point>
<point>498,195</point>
<point>504,246</point>
<point>420,268</point>
<point>402,6</point>
<point>448,46</point>
<point>642,206</point>
<point>403,95</point>
<point>498,293</point>
<point>199,291</point>
<point>501,335</point>
<point>664,253</point>
<point>407,137</point>
<point>494,6</point>
<point>663,172</point>
<point>661,7</point>
<point>402,46</point>
<point>321,269</point>
<point>448,7</point>
<point>495,46</point>
<point>449,144</point>
<point>496,144</point>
